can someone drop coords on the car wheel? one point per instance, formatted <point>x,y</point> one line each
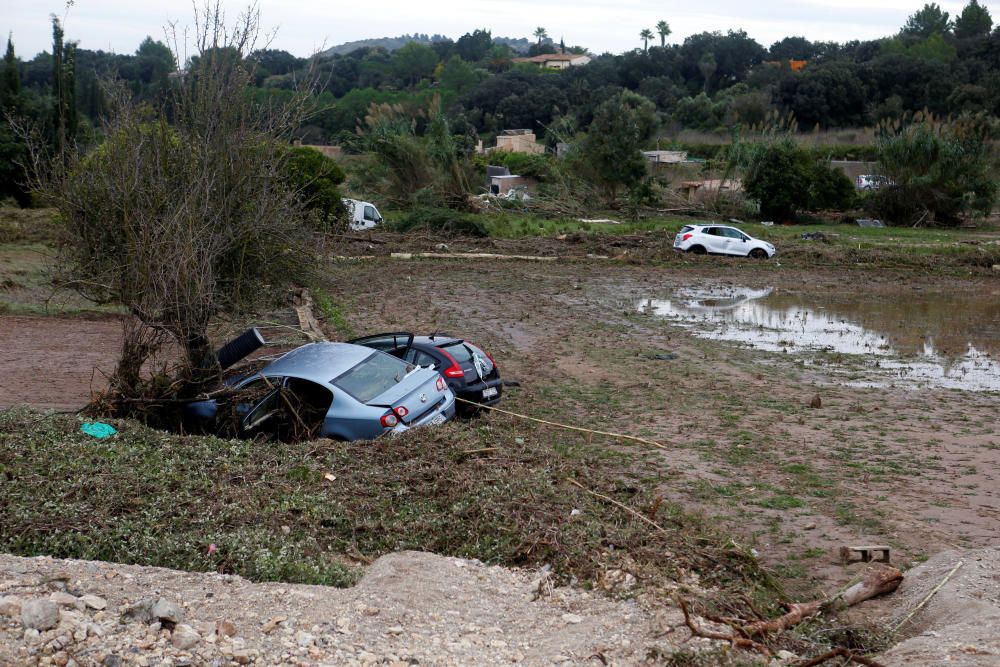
<point>697,249</point>
<point>758,253</point>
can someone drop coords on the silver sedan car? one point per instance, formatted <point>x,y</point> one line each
<point>348,391</point>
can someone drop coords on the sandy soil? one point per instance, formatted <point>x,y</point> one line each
<point>51,362</point>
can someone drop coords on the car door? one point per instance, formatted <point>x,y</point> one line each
<point>714,241</point>
<point>735,241</point>
<point>394,343</point>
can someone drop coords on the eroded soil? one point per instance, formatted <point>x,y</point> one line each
<point>914,469</point>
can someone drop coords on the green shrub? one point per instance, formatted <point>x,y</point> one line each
<point>316,177</point>
<point>779,176</point>
<point>440,220</point>
<point>831,188</point>
<point>936,173</point>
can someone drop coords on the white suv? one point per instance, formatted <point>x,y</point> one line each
<point>721,240</point>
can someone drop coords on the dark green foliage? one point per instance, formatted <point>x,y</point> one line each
<point>779,176</point>
<point>831,188</point>
<point>539,167</point>
<point>315,177</point>
<point>937,172</point>
<point>441,221</point>
<point>974,21</point>
<point>930,20</point>
<point>610,154</point>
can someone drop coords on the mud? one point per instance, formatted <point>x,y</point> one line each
<point>909,466</point>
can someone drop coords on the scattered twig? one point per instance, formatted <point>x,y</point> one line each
<point>620,436</point>
<point>928,596</point>
<point>620,506</point>
<point>735,640</point>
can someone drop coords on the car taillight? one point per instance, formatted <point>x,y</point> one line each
<point>440,384</point>
<point>401,411</point>
<point>686,237</point>
<point>453,371</point>
<point>389,420</point>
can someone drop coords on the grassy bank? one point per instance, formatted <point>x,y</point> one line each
<point>488,490</point>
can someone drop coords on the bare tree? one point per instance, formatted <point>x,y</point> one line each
<point>185,212</point>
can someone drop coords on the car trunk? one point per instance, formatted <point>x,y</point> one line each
<point>416,393</point>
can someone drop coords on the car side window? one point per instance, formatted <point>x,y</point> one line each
<point>712,231</point>
<point>418,358</point>
<point>733,234</point>
<point>370,213</point>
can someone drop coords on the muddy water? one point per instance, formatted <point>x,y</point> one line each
<point>911,337</point>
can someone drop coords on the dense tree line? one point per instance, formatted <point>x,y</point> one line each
<point>709,81</point>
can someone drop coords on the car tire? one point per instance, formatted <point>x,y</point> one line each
<point>758,253</point>
<point>697,249</point>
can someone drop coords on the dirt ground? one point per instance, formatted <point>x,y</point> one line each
<point>914,469</point>
<point>410,608</point>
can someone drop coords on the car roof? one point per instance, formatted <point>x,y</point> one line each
<point>318,362</point>
<point>439,340</point>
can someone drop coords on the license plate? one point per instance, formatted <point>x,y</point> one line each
<point>489,392</point>
<point>439,419</point>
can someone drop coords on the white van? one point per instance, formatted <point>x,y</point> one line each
<point>362,215</point>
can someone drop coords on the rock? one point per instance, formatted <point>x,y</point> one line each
<point>66,600</point>
<point>270,625</point>
<point>94,602</point>
<point>786,655</point>
<point>304,639</point>
<point>241,657</point>
<point>225,628</point>
<point>996,268</point>
<point>572,618</point>
<point>816,402</point>
<point>184,637</point>
<point>95,630</point>
<point>39,614</point>
<point>31,635</point>
<point>167,611</point>
<point>60,659</point>
<point>111,660</point>
<point>809,526</point>
<point>10,606</point>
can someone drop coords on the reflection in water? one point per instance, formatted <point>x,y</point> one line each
<point>896,337</point>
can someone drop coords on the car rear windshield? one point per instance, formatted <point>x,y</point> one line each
<point>372,377</point>
<point>685,228</point>
<point>459,351</point>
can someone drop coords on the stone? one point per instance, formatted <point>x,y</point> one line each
<point>10,606</point>
<point>242,657</point>
<point>167,611</point>
<point>184,637</point>
<point>31,635</point>
<point>40,614</point>
<point>95,630</point>
<point>816,402</point>
<point>304,639</point>
<point>572,618</point>
<point>786,655</point>
<point>271,624</point>
<point>66,600</point>
<point>111,660</point>
<point>94,602</point>
<point>225,628</point>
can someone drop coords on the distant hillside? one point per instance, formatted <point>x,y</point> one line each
<point>519,44</point>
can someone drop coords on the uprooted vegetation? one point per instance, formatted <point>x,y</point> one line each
<point>310,512</point>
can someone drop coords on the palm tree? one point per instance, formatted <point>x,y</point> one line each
<point>541,33</point>
<point>664,29</point>
<point>645,36</point>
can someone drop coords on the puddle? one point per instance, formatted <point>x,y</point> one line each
<point>910,338</point>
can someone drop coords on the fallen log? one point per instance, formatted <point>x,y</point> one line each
<point>878,581</point>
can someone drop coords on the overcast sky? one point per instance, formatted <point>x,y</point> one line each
<point>304,26</point>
